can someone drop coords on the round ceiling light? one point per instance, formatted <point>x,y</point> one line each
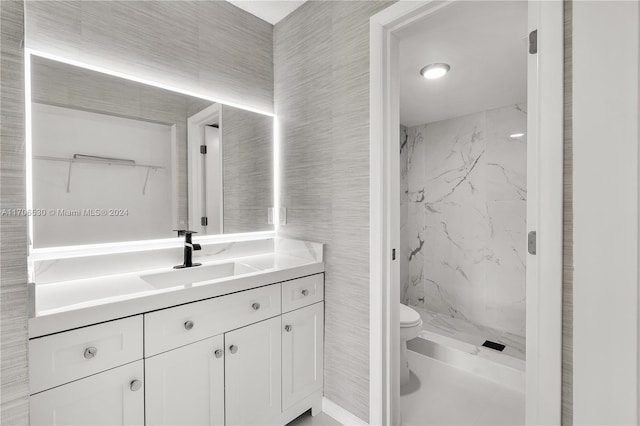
<point>433,71</point>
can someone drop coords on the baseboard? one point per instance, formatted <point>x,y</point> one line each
<point>341,415</point>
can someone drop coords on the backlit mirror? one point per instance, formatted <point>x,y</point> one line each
<point>116,160</point>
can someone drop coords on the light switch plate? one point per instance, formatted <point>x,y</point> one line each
<point>270,216</point>
<point>283,216</point>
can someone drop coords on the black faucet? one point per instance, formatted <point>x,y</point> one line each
<point>189,247</point>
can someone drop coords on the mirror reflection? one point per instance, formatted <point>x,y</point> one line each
<point>117,160</point>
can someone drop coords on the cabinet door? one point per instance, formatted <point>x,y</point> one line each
<point>253,374</point>
<point>114,397</point>
<point>185,386</point>
<point>302,353</point>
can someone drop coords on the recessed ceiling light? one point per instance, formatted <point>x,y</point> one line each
<point>516,135</point>
<point>433,71</point>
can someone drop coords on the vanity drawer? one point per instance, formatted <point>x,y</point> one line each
<point>170,328</point>
<point>71,355</point>
<point>302,292</point>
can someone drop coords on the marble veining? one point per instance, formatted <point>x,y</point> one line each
<point>299,248</point>
<point>463,202</point>
<point>404,204</point>
<point>459,342</point>
<point>75,303</point>
<point>471,336</point>
<point>83,267</point>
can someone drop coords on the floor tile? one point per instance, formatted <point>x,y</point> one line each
<point>321,419</point>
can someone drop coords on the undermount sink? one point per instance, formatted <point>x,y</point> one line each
<point>180,277</point>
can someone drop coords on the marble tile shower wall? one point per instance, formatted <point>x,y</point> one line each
<point>404,213</point>
<point>464,204</point>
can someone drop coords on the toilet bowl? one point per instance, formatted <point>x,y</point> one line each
<point>410,326</point>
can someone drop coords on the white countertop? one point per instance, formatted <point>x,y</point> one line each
<point>71,304</point>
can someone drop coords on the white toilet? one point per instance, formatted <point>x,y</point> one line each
<point>410,326</point>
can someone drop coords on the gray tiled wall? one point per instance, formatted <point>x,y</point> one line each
<point>209,47</point>
<point>247,146</point>
<point>567,246</point>
<point>14,390</point>
<point>321,59</point>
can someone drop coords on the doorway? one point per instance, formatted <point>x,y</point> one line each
<point>543,203</point>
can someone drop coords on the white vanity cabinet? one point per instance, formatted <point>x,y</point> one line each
<point>114,397</point>
<point>185,386</point>
<point>235,375</point>
<point>302,360</point>
<point>253,357</point>
<point>88,376</point>
<point>61,358</point>
<point>252,374</point>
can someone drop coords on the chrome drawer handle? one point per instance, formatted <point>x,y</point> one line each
<point>233,349</point>
<point>135,385</point>
<point>218,353</point>
<point>305,292</point>
<point>90,352</point>
<point>255,306</point>
<point>188,325</point>
<point>288,328</point>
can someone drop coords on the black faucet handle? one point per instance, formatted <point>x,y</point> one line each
<point>183,232</point>
<point>196,246</point>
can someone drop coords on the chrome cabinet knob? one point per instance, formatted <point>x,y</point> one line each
<point>255,306</point>
<point>305,292</point>
<point>218,353</point>
<point>135,385</point>
<point>233,349</point>
<point>90,352</point>
<point>288,328</point>
<point>188,325</point>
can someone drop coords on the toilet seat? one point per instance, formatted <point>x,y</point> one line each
<point>409,317</point>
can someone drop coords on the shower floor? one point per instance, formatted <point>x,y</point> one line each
<point>459,343</point>
<point>440,394</point>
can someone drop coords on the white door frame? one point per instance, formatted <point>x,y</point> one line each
<point>195,167</point>
<point>544,211</point>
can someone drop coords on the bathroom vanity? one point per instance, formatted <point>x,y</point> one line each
<point>118,336</point>
<point>246,349</point>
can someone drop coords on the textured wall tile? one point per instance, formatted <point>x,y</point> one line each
<point>567,243</point>
<point>247,146</point>
<point>208,47</point>
<point>321,88</point>
<point>14,390</point>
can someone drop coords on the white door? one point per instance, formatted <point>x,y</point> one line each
<point>205,171</point>
<point>302,337</point>
<point>114,397</point>
<point>253,374</point>
<point>213,193</point>
<point>185,386</point>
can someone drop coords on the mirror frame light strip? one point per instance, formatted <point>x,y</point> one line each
<point>276,174</point>
<point>65,252</point>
